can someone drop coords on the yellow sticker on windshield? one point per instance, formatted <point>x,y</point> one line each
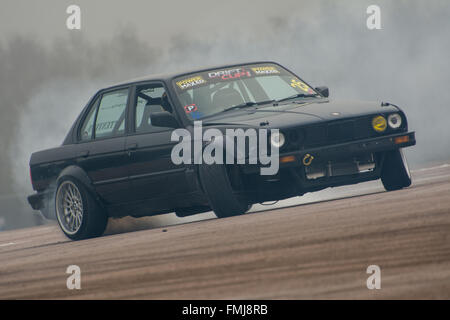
<point>190,82</point>
<point>301,85</point>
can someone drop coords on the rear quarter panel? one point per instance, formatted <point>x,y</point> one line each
<point>46,165</point>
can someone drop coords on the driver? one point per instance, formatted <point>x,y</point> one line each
<point>165,104</point>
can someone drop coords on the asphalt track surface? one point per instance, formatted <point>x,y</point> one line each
<point>318,249</point>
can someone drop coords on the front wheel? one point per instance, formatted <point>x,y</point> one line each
<point>78,214</point>
<point>218,187</point>
<point>395,174</point>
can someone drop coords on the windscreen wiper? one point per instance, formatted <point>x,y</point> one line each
<point>247,104</point>
<point>240,106</point>
<point>299,95</point>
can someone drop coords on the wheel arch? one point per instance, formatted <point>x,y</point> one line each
<point>77,173</point>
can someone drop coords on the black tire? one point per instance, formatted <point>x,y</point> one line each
<point>218,188</point>
<point>395,174</point>
<point>93,218</point>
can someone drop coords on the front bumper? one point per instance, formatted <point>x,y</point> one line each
<point>373,145</point>
<point>340,164</point>
<point>341,150</point>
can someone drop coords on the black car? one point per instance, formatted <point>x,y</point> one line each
<point>117,159</point>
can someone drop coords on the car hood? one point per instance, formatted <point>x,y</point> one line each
<point>301,112</point>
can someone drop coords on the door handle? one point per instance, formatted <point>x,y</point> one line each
<point>131,147</point>
<point>84,154</point>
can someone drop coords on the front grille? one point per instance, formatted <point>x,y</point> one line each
<point>332,132</point>
<point>363,128</point>
<point>341,131</point>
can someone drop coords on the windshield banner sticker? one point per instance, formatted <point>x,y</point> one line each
<point>190,82</point>
<point>223,75</point>
<point>265,70</point>
<point>229,74</point>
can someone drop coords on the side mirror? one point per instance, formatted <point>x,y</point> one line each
<point>163,119</point>
<point>324,91</point>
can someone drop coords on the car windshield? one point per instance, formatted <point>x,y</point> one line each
<point>215,91</point>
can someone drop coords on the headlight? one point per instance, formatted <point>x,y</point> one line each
<point>379,123</point>
<point>277,139</point>
<point>394,120</point>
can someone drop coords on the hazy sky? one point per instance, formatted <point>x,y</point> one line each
<point>153,20</point>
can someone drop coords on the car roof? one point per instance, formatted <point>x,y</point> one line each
<point>170,76</point>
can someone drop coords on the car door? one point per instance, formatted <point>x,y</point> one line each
<point>102,146</point>
<point>153,175</point>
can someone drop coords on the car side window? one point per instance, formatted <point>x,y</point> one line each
<point>110,121</point>
<point>86,131</point>
<point>150,98</point>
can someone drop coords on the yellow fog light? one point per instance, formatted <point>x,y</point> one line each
<point>379,123</point>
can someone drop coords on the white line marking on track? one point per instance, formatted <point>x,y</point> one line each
<point>445,165</point>
<point>7,244</point>
<point>442,177</point>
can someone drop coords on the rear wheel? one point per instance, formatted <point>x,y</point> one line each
<point>223,198</point>
<point>395,174</point>
<point>78,214</point>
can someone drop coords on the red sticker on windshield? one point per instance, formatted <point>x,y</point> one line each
<point>190,108</point>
